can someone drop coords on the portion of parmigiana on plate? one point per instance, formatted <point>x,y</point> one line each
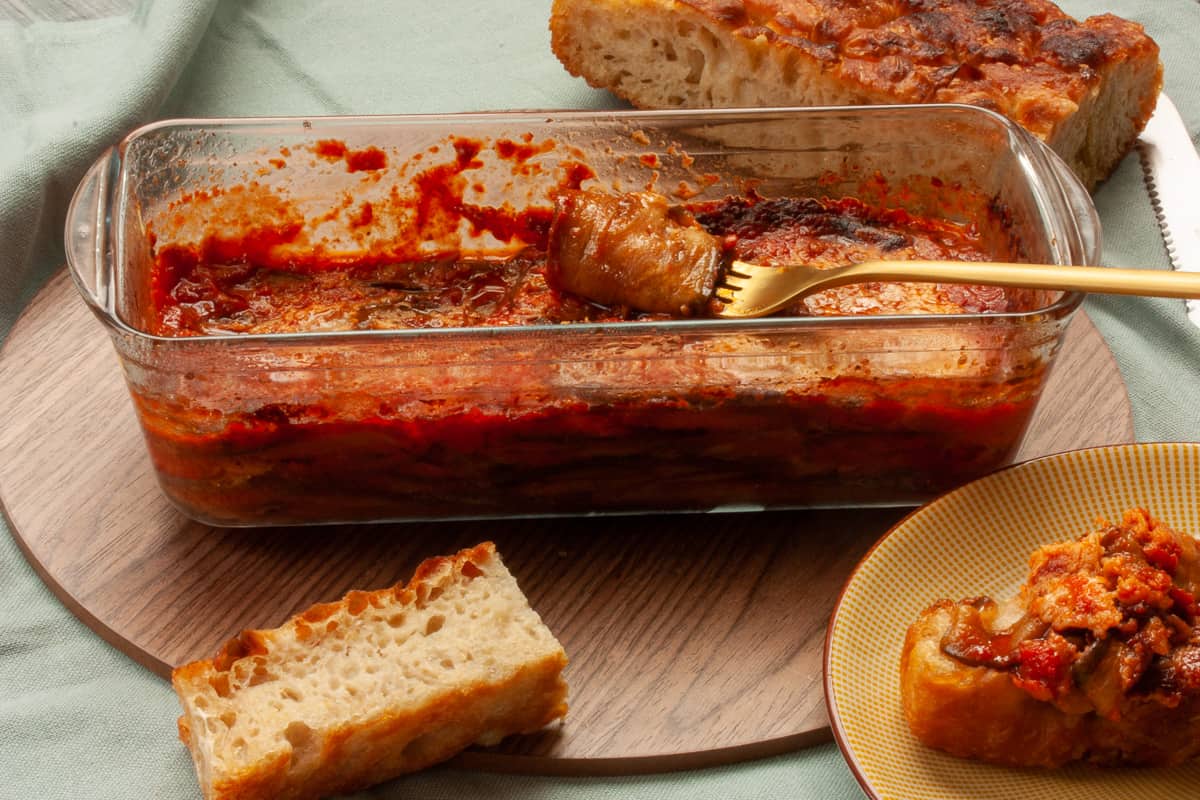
<point>1097,658</point>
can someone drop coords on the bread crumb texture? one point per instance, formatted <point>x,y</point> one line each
<point>352,693</point>
<point>1087,87</point>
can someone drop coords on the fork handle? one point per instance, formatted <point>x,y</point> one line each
<point>1106,280</point>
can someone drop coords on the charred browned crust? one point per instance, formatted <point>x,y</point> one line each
<point>1018,57</point>
<point>1025,59</point>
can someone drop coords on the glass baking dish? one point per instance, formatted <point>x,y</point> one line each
<point>582,418</point>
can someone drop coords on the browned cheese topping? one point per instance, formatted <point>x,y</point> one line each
<point>1025,59</point>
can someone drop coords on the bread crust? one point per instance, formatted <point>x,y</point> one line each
<point>358,747</point>
<point>1086,88</point>
<point>975,712</point>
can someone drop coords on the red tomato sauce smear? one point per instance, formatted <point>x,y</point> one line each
<point>521,448</point>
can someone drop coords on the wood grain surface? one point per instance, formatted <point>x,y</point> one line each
<point>694,639</point>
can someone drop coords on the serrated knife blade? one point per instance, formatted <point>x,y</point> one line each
<point>1172,170</point>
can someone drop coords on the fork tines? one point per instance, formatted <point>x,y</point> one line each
<point>730,284</point>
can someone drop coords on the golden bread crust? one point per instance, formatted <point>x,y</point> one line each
<point>368,727</point>
<point>945,699</point>
<point>1060,78</point>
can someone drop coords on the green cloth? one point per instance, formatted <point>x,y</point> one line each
<point>80,720</point>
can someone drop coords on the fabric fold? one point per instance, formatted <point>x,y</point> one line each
<point>68,90</point>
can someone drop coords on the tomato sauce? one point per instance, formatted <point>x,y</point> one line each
<point>702,450</point>
<point>672,445</point>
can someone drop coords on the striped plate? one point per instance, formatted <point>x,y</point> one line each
<point>976,540</point>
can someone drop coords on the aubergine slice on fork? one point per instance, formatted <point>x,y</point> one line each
<point>637,250</point>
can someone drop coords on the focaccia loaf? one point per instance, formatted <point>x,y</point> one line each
<point>1097,660</point>
<point>355,692</point>
<point>1086,88</point>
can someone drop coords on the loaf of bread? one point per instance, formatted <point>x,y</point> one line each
<point>351,693</point>
<point>1086,88</point>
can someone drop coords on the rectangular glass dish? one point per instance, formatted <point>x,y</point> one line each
<point>335,425</point>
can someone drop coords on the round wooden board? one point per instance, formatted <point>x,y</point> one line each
<point>694,639</point>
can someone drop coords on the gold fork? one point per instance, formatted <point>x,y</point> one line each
<point>754,290</point>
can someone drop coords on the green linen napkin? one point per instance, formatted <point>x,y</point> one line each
<point>67,90</point>
<point>78,718</point>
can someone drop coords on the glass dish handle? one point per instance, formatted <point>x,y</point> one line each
<point>89,251</point>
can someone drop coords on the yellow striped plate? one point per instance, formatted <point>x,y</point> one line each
<point>977,540</point>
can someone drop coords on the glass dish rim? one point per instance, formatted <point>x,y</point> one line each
<point>1061,308</point>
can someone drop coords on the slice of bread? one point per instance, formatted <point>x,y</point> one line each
<point>352,693</point>
<point>1085,88</point>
